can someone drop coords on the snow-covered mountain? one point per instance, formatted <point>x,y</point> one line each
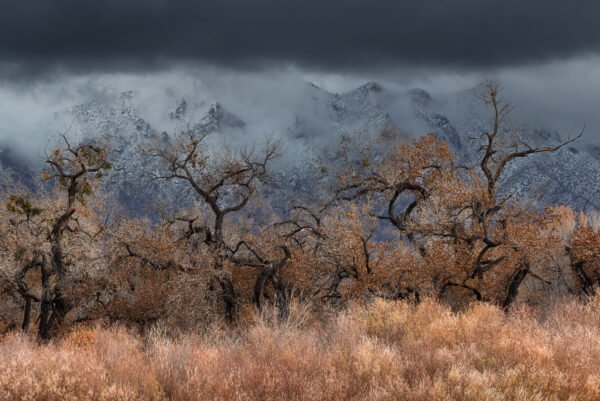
<point>216,118</point>
<point>312,132</point>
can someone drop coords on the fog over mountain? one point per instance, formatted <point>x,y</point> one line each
<point>308,112</point>
<point>556,96</point>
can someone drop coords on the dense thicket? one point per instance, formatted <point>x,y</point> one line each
<point>401,221</point>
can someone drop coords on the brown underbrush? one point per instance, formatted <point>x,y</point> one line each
<point>381,351</point>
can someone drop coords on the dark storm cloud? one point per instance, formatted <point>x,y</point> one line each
<point>350,34</point>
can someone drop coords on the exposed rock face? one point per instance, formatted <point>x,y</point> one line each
<point>217,118</point>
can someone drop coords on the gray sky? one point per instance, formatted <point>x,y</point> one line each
<point>349,35</point>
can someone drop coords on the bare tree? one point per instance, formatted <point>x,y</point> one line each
<point>437,205</point>
<point>501,145</point>
<point>52,234</point>
<point>224,182</point>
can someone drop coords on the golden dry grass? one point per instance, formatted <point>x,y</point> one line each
<point>385,351</point>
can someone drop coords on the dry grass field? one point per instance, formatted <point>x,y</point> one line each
<point>383,351</point>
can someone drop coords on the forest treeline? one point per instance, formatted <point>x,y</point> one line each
<point>406,223</point>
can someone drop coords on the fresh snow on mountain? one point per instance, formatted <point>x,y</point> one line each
<point>310,137</point>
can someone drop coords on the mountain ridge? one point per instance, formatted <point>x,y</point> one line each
<point>314,133</point>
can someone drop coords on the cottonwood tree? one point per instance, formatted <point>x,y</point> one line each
<point>50,237</point>
<point>258,261</point>
<point>584,253</point>
<point>224,182</point>
<point>335,255</point>
<point>19,227</point>
<point>524,234</point>
<point>393,187</point>
<point>152,277</point>
<point>472,237</point>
